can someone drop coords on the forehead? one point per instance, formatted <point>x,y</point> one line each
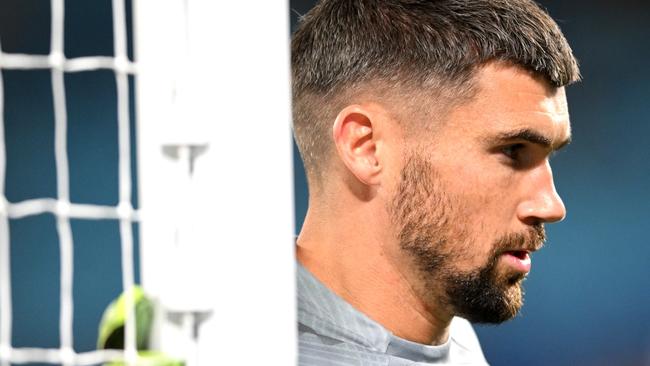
<point>509,98</point>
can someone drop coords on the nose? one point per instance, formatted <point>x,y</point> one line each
<point>542,203</point>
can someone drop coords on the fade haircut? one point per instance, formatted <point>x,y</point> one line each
<point>343,49</point>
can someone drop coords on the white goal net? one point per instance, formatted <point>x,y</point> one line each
<point>215,187</point>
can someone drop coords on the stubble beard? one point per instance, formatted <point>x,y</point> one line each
<point>430,232</point>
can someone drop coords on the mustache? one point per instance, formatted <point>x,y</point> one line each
<point>530,240</point>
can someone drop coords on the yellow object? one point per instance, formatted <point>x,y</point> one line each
<point>111,328</point>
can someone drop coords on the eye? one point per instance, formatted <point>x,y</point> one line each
<point>513,151</point>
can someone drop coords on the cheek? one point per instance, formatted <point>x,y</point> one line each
<point>483,209</point>
<point>471,193</point>
<point>484,190</point>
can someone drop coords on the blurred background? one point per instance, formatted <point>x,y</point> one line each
<point>588,297</point>
<point>92,152</point>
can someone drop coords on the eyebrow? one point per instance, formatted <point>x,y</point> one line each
<point>529,135</point>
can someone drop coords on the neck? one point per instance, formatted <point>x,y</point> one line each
<point>351,259</point>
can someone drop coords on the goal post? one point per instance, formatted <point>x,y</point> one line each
<point>214,183</point>
<point>215,173</point>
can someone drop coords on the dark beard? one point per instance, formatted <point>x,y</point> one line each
<point>483,296</point>
<point>423,214</point>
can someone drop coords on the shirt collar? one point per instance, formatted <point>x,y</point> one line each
<point>329,315</point>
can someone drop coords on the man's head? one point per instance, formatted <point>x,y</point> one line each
<point>445,113</point>
<point>470,204</point>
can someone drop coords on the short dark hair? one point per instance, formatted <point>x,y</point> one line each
<point>344,45</point>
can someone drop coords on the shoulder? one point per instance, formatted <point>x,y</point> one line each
<point>320,350</point>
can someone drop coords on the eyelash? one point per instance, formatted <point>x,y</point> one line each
<point>512,151</point>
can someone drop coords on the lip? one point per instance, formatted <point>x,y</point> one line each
<point>519,260</point>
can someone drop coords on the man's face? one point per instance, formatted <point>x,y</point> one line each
<point>471,200</point>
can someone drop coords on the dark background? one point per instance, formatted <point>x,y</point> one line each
<point>588,296</point>
<point>589,293</point>
<point>93,164</point>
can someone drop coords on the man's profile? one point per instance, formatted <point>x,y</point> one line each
<point>426,128</point>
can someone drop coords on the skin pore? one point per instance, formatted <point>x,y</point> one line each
<point>414,230</point>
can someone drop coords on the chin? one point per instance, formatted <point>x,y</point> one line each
<point>487,301</point>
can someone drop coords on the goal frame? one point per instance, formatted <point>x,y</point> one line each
<point>215,178</point>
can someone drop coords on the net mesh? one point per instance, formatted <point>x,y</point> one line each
<point>61,207</point>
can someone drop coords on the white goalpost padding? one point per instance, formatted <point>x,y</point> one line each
<point>215,175</point>
<point>216,178</point>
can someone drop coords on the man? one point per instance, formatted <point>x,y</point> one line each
<point>426,128</point>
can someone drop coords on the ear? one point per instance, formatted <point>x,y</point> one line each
<point>355,137</point>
